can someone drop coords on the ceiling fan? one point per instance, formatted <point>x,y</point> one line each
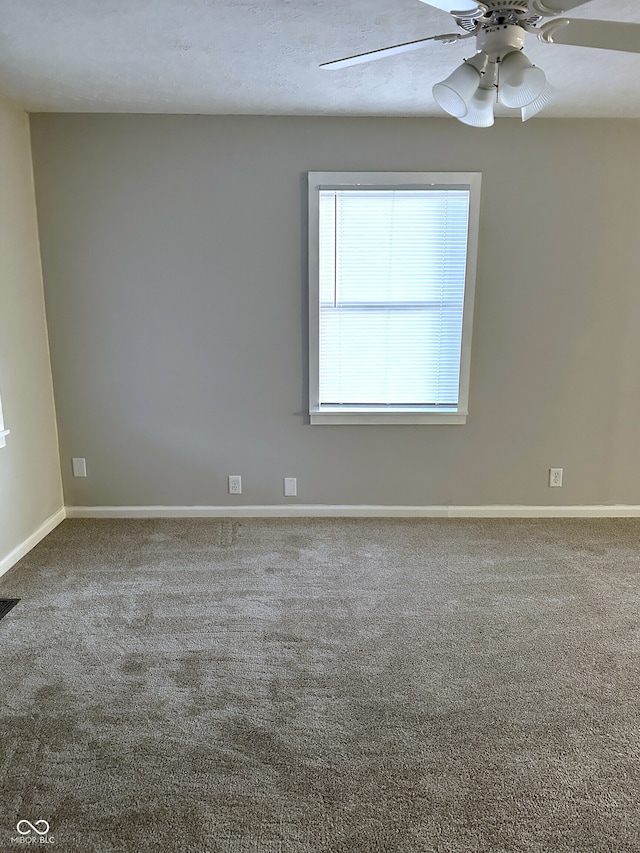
<point>499,69</point>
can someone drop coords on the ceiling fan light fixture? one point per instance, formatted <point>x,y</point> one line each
<point>454,93</point>
<point>480,111</point>
<point>499,28</point>
<point>521,82</point>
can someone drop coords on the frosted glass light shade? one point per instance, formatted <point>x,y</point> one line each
<point>520,81</point>
<point>454,93</point>
<point>543,99</point>
<point>480,111</point>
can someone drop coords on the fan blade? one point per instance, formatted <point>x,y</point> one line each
<point>608,35</point>
<point>459,8</point>
<point>546,8</point>
<point>391,51</point>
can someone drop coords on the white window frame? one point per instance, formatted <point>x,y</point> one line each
<point>470,181</point>
<point>3,432</point>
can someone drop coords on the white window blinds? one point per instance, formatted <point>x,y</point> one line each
<point>392,265</point>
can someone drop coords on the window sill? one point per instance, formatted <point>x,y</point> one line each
<point>399,416</point>
<point>3,434</point>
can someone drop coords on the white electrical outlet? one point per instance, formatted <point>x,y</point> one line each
<point>235,484</point>
<point>79,465</point>
<point>290,487</point>
<point>555,478</point>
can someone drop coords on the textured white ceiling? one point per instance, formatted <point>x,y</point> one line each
<point>262,57</point>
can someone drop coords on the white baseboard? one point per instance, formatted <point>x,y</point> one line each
<point>31,541</point>
<point>356,511</point>
<point>316,511</point>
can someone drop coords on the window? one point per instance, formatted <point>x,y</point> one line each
<point>392,273</point>
<point>3,432</point>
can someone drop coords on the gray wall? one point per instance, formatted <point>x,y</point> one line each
<point>175,275</point>
<point>30,486</point>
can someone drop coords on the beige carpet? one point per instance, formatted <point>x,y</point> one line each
<point>324,686</point>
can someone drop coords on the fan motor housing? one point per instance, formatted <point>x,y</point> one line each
<point>500,12</point>
<point>500,39</point>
